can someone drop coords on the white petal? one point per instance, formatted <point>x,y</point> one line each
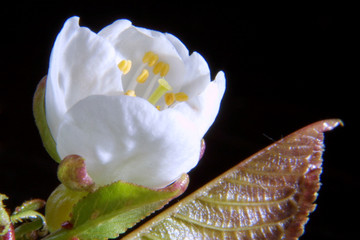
<point>179,46</point>
<point>113,31</point>
<point>197,75</point>
<point>126,138</point>
<point>204,108</point>
<point>81,64</point>
<point>133,42</point>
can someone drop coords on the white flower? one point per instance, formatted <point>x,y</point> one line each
<point>90,111</point>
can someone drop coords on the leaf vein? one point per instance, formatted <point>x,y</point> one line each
<point>238,203</point>
<point>204,225</point>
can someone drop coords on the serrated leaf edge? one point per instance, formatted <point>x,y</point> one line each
<point>320,127</point>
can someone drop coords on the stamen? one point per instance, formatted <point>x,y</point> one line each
<point>160,91</point>
<point>150,58</point>
<point>130,93</point>
<point>181,97</point>
<point>160,68</point>
<point>164,71</point>
<point>169,98</point>
<point>143,76</point>
<point>125,66</point>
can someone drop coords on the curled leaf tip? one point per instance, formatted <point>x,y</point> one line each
<point>327,125</point>
<point>73,174</point>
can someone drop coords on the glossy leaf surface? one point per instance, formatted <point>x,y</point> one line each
<point>267,196</point>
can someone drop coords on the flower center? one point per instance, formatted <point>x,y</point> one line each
<point>158,71</point>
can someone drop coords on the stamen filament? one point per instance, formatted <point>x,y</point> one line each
<point>159,91</point>
<point>133,82</point>
<point>160,68</point>
<point>150,59</point>
<point>150,86</point>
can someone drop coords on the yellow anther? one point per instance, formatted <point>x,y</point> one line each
<point>169,98</point>
<point>125,66</point>
<point>158,107</point>
<point>163,87</point>
<point>130,93</point>
<point>181,97</point>
<point>158,67</point>
<point>161,68</point>
<point>150,58</point>
<point>164,71</point>
<point>143,76</point>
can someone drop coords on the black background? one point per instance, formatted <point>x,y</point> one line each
<point>286,67</point>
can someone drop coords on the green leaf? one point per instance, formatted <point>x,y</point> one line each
<point>4,217</point>
<point>28,228</point>
<point>113,209</point>
<point>40,120</point>
<point>267,196</point>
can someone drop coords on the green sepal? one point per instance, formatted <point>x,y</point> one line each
<point>112,209</point>
<point>4,217</point>
<point>40,120</point>
<point>60,204</point>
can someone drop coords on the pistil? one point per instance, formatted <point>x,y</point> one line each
<point>159,68</point>
<point>163,87</point>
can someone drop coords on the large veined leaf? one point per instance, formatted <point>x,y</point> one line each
<point>267,196</point>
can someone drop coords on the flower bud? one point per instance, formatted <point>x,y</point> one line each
<point>72,173</point>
